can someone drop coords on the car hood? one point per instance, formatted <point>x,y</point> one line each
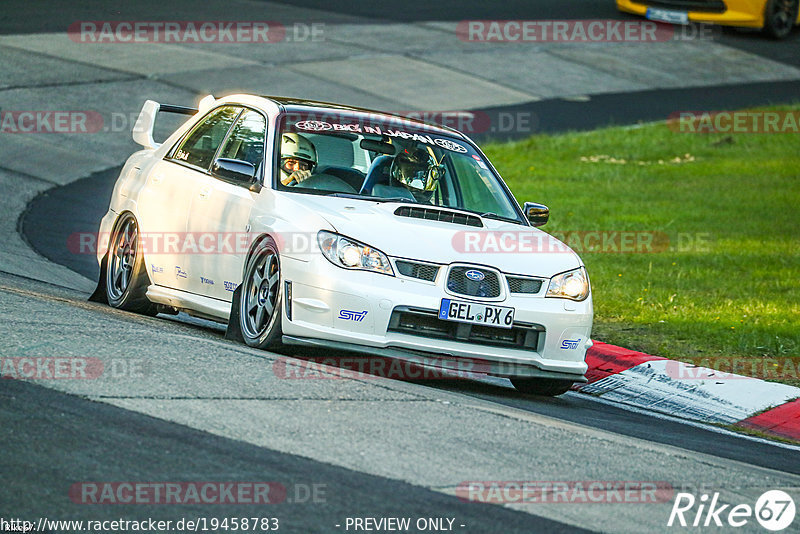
<point>511,248</point>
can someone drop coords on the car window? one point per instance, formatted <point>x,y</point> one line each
<point>199,147</point>
<point>392,158</point>
<point>246,142</point>
<point>478,188</point>
<point>332,150</point>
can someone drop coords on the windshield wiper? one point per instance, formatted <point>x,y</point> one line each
<point>348,195</point>
<point>492,215</point>
<point>372,198</point>
<point>396,199</point>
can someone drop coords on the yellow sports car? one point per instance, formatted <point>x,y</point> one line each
<point>775,17</point>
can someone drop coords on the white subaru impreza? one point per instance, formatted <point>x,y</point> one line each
<point>318,225</point>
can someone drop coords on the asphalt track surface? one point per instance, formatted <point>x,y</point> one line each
<point>51,439</point>
<point>40,425</point>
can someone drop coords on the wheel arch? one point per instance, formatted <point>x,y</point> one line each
<point>233,330</point>
<point>99,293</point>
<point>253,246</point>
<point>130,208</point>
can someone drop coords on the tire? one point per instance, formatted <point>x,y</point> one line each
<point>261,298</point>
<point>779,17</point>
<point>125,273</point>
<point>546,387</point>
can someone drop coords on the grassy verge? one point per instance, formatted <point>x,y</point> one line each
<point>722,286</point>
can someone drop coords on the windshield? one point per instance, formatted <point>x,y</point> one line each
<point>377,158</point>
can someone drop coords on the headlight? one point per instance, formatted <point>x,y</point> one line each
<point>350,254</point>
<point>573,285</point>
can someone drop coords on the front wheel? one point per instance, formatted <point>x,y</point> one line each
<point>261,297</point>
<point>779,17</point>
<point>547,387</point>
<point>126,278</point>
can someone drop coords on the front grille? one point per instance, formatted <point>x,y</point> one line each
<point>458,282</point>
<point>423,271</point>
<point>523,285</point>
<point>426,323</point>
<point>706,6</point>
<point>432,214</point>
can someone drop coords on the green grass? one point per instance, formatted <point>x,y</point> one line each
<point>737,294</point>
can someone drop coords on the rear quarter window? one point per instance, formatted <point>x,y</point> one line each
<point>198,148</point>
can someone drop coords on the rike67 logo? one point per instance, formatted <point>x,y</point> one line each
<point>774,510</point>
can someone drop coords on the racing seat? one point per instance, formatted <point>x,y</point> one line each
<point>378,174</point>
<point>252,152</point>
<point>352,177</point>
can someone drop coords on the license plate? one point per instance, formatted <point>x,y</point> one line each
<point>667,15</point>
<point>474,313</point>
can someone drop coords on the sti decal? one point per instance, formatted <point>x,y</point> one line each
<point>349,315</point>
<point>568,344</point>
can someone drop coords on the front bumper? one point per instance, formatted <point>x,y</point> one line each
<point>320,292</point>
<point>741,13</point>
<point>470,367</point>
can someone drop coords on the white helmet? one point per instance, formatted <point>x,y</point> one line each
<point>299,147</point>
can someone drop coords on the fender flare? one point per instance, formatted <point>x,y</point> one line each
<point>233,330</point>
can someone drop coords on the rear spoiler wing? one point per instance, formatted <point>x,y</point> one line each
<point>146,121</point>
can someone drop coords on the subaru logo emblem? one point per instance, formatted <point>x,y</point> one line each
<point>475,275</point>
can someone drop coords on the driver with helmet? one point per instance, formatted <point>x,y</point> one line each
<point>417,170</point>
<point>298,158</point>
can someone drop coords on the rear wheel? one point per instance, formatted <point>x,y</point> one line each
<point>261,297</point>
<point>547,387</point>
<point>126,277</point>
<point>779,17</point>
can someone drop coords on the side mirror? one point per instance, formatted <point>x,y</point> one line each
<point>537,214</point>
<point>235,170</point>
